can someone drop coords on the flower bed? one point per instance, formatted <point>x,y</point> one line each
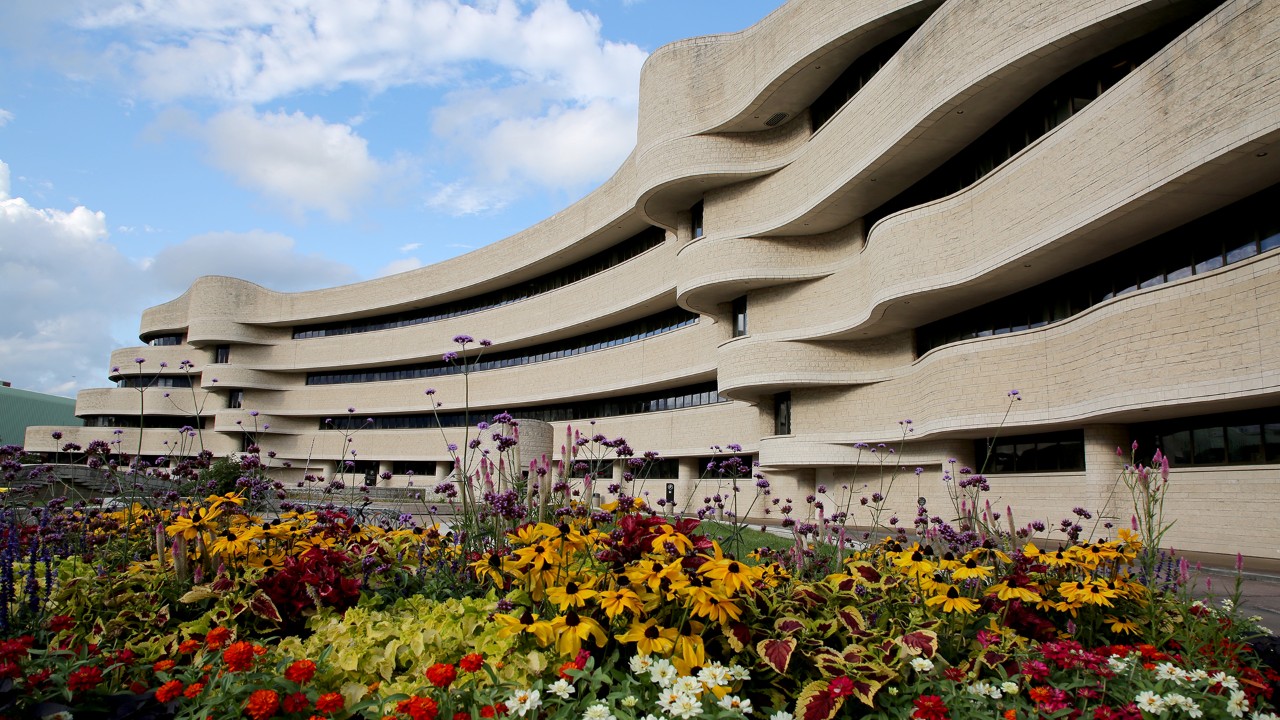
<point>536,605</point>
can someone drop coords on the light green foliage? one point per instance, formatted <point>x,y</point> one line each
<point>394,646</point>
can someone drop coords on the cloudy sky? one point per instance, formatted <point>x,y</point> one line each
<point>295,143</point>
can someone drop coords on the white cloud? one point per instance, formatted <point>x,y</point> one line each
<point>519,71</point>
<point>268,259</point>
<point>399,266</point>
<point>300,161</point>
<point>410,247</point>
<point>62,285</point>
<point>70,296</point>
<point>5,117</point>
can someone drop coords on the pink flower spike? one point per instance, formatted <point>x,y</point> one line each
<point>1239,563</point>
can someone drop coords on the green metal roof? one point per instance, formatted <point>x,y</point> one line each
<point>20,409</point>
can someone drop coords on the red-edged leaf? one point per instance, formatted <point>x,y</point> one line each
<point>739,636</point>
<point>788,625</point>
<point>828,661</point>
<point>852,619</point>
<point>777,653</point>
<point>264,608</point>
<point>923,643</point>
<point>815,703</point>
<point>865,689</point>
<point>807,596</point>
<point>866,570</point>
<point>853,654</point>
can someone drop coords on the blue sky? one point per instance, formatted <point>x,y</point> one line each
<point>295,143</point>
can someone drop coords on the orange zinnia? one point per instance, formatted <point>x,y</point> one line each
<point>262,704</point>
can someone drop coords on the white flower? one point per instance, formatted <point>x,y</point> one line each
<point>1150,702</point>
<point>687,707</point>
<point>782,715</point>
<point>597,712</point>
<point>1168,671</point>
<point>667,700</point>
<point>714,675</point>
<point>733,702</point>
<point>737,672</point>
<point>640,664</point>
<point>1238,704</point>
<point>922,665</point>
<point>687,685</point>
<point>1225,681</point>
<point>561,689</point>
<point>524,701</point>
<point>651,716</point>
<point>1118,664</point>
<point>630,701</point>
<point>893,689</point>
<point>1009,688</point>
<point>1184,703</point>
<point>663,673</point>
<point>1259,715</point>
<point>984,688</point>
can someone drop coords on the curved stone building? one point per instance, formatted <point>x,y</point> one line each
<point>848,215</point>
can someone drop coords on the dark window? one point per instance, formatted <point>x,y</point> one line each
<point>222,354</point>
<point>170,339</point>
<point>420,468</point>
<point>696,212</point>
<point>1045,110</point>
<point>656,324</point>
<point>855,78</point>
<point>740,316</point>
<point>662,468</point>
<point>154,381</point>
<point>1046,452</point>
<point>782,413</point>
<point>684,397</point>
<point>235,399</point>
<point>1194,248</point>
<point>1250,437</point>
<point>616,255</point>
<point>170,422</point>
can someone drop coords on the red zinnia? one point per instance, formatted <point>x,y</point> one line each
<point>472,662</point>
<point>217,637</point>
<point>441,675</point>
<point>193,691</point>
<point>329,702</point>
<point>169,691</point>
<point>262,704</point>
<point>840,687</point>
<point>297,702</point>
<point>239,656</point>
<point>300,671</point>
<point>418,708</point>
<point>163,665</point>
<point>930,707</point>
<point>58,623</point>
<point>489,711</point>
<point>462,715</point>
<point>85,678</point>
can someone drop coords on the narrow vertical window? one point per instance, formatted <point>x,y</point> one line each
<point>740,316</point>
<point>222,354</point>
<point>696,211</point>
<point>782,413</point>
<point>235,399</point>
